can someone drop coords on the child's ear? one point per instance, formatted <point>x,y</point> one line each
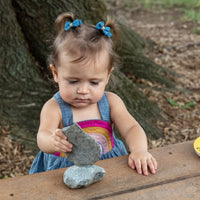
<point>54,72</point>
<point>111,70</point>
<point>109,73</point>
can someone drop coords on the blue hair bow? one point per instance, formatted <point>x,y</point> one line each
<point>105,29</point>
<point>75,23</point>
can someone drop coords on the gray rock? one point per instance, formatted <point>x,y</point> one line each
<point>85,150</point>
<point>82,176</point>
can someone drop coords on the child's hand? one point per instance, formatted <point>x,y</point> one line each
<point>141,161</point>
<point>60,142</point>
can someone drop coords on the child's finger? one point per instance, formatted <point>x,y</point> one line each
<point>59,133</point>
<point>138,167</point>
<point>66,143</point>
<point>154,162</point>
<point>66,149</point>
<point>151,166</point>
<point>63,147</point>
<point>144,167</point>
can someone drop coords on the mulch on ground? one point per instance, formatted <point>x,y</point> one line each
<point>177,49</point>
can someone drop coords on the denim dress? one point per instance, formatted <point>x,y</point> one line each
<point>46,162</point>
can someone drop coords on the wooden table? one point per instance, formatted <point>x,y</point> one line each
<point>177,177</point>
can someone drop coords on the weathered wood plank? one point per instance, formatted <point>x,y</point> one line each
<point>176,163</point>
<point>185,189</point>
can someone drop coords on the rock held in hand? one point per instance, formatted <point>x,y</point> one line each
<point>85,150</point>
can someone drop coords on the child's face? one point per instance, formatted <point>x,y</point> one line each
<point>80,84</point>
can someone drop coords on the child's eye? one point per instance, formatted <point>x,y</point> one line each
<point>94,82</point>
<point>73,81</point>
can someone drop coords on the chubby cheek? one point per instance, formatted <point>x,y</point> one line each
<point>97,94</point>
<point>66,93</point>
<point>66,96</point>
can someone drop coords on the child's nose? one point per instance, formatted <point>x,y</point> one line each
<point>83,89</point>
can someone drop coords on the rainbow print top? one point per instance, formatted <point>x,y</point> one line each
<point>101,131</point>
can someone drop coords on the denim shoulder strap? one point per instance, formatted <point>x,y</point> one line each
<point>67,114</point>
<point>104,108</point>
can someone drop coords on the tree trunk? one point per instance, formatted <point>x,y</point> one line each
<point>27,32</point>
<point>23,90</point>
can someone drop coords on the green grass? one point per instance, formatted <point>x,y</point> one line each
<point>181,105</point>
<point>191,8</point>
<point>193,14</point>
<point>196,31</point>
<point>4,177</point>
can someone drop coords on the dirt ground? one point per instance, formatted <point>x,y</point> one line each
<point>177,47</point>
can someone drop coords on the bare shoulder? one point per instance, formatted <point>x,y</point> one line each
<point>50,104</point>
<point>117,106</point>
<point>51,107</point>
<point>51,116</point>
<point>120,116</point>
<point>114,99</point>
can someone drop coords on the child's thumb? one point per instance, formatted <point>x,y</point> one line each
<point>131,163</point>
<point>60,134</point>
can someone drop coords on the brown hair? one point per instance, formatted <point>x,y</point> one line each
<point>82,42</point>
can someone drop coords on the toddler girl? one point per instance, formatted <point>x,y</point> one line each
<point>82,62</point>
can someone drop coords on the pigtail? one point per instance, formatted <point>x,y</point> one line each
<point>114,27</point>
<point>114,62</point>
<point>61,19</point>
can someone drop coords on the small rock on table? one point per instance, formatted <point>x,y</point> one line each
<point>82,176</point>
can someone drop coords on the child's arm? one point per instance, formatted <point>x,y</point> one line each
<point>135,137</point>
<point>50,138</point>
